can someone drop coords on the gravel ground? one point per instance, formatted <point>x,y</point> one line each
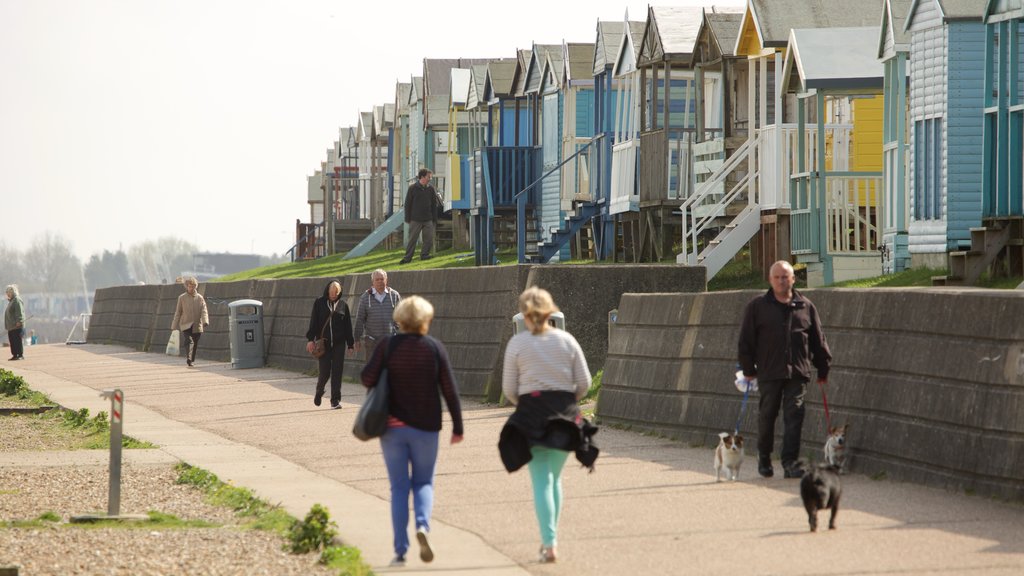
<point>65,549</point>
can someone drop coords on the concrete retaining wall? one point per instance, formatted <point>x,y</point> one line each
<point>931,381</point>
<point>473,310</point>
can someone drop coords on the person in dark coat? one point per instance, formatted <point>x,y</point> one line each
<point>421,208</point>
<point>780,339</point>
<point>419,375</point>
<point>330,320</point>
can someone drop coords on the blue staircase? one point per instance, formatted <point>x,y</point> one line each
<point>377,236</point>
<point>548,249</point>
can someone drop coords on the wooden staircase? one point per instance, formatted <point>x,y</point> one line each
<point>997,247</point>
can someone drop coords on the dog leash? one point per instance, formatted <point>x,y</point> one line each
<point>743,408</point>
<point>824,402</point>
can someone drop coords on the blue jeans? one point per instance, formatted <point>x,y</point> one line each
<point>405,446</point>
<point>546,474</point>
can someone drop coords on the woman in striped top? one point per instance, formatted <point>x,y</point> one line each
<point>418,367</point>
<point>545,375</point>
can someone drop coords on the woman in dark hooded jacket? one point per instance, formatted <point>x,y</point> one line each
<point>331,321</point>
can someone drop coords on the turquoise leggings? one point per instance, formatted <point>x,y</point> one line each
<point>546,474</point>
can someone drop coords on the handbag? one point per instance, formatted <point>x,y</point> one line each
<point>372,419</point>
<point>320,344</point>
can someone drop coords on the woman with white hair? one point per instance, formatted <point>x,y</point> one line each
<point>191,317</point>
<point>419,374</point>
<point>14,322</point>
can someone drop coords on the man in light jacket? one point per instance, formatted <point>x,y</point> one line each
<point>191,317</point>
<point>374,315</point>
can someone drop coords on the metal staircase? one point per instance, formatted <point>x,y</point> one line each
<point>570,226</point>
<point>708,206</point>
<point>378,235</point>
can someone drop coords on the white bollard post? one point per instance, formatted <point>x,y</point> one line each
<point>116,425</point>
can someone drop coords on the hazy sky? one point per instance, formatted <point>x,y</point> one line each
<point>126,120</point>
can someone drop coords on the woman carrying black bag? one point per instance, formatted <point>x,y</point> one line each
<point>331,321</point>
<point>417,367</point>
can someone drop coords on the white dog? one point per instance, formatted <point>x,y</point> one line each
<point>835,448</point>
<point>728,455</point>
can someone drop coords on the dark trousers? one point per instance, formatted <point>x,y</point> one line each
<point>193,344</point>
<point>427,228</point>
<point>789,395</point>
<point>331,365</point>
<point>17,344</point>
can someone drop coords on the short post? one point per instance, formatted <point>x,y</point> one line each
<point>116,425</point>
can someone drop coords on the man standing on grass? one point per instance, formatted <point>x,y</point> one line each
<point>422,205</point>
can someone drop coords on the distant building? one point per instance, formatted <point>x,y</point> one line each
<point>213,264</point>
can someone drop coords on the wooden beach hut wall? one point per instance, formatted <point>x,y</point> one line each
<point>667,124</point>
<point>505,165</point>
<point>1004,110</point>
<point>607,91</point>
<point>624,206</point>
<point>567,125</point>
<point>836,203</point>
<point>947,65</point>
<point>546,110</point>
<point>997,245</point>
<point>399,169</point>
<point>894,52</point>
<point>384,119</point>
<point>714,52</point>
<point>417,134</point>
<point>768,156</point>
<point>349,177</point>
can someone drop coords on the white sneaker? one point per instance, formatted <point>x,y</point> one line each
<point>426,553</point>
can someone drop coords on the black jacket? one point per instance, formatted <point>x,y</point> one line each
<point>550,419</point>
<point>421,204</point>
<point>780,341</point>
<point>339,331</point>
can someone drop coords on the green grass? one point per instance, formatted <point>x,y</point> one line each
<point>386,259</point>
<point>914,277</point>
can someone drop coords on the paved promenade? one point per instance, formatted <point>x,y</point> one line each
<point>651,507</point>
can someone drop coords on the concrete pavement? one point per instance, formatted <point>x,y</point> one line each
<point>651,507</point>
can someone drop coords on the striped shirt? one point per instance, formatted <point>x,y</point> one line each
<point>549,361</point>
<point>416,373</point>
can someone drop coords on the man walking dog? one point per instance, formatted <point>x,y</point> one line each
<point>780,339</point>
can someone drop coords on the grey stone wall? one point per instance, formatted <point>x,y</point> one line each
<point>931,381</point>
<point>473,308</point>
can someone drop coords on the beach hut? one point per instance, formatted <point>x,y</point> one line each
<point>836,191</point>
<point>894,52</point>
<point>947,95</point>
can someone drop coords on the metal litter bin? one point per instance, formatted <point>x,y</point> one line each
<point>556,319</point>
<point>246,333</point>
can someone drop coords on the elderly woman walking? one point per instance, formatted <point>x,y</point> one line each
<point>545,375</point>
<point>14,323</point>
<point>332,321</point>
<point>418,368</point>
<point>191,317</point>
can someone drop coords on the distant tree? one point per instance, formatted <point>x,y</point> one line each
<point>49,265</point>
<point>160,261</point>
<point>108,269</point>
<point>10,266</point>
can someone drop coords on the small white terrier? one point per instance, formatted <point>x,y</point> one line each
<point>835,448</point>
<point>728,455</point>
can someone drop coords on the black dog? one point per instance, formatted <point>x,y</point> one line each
<point>820,489</point>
